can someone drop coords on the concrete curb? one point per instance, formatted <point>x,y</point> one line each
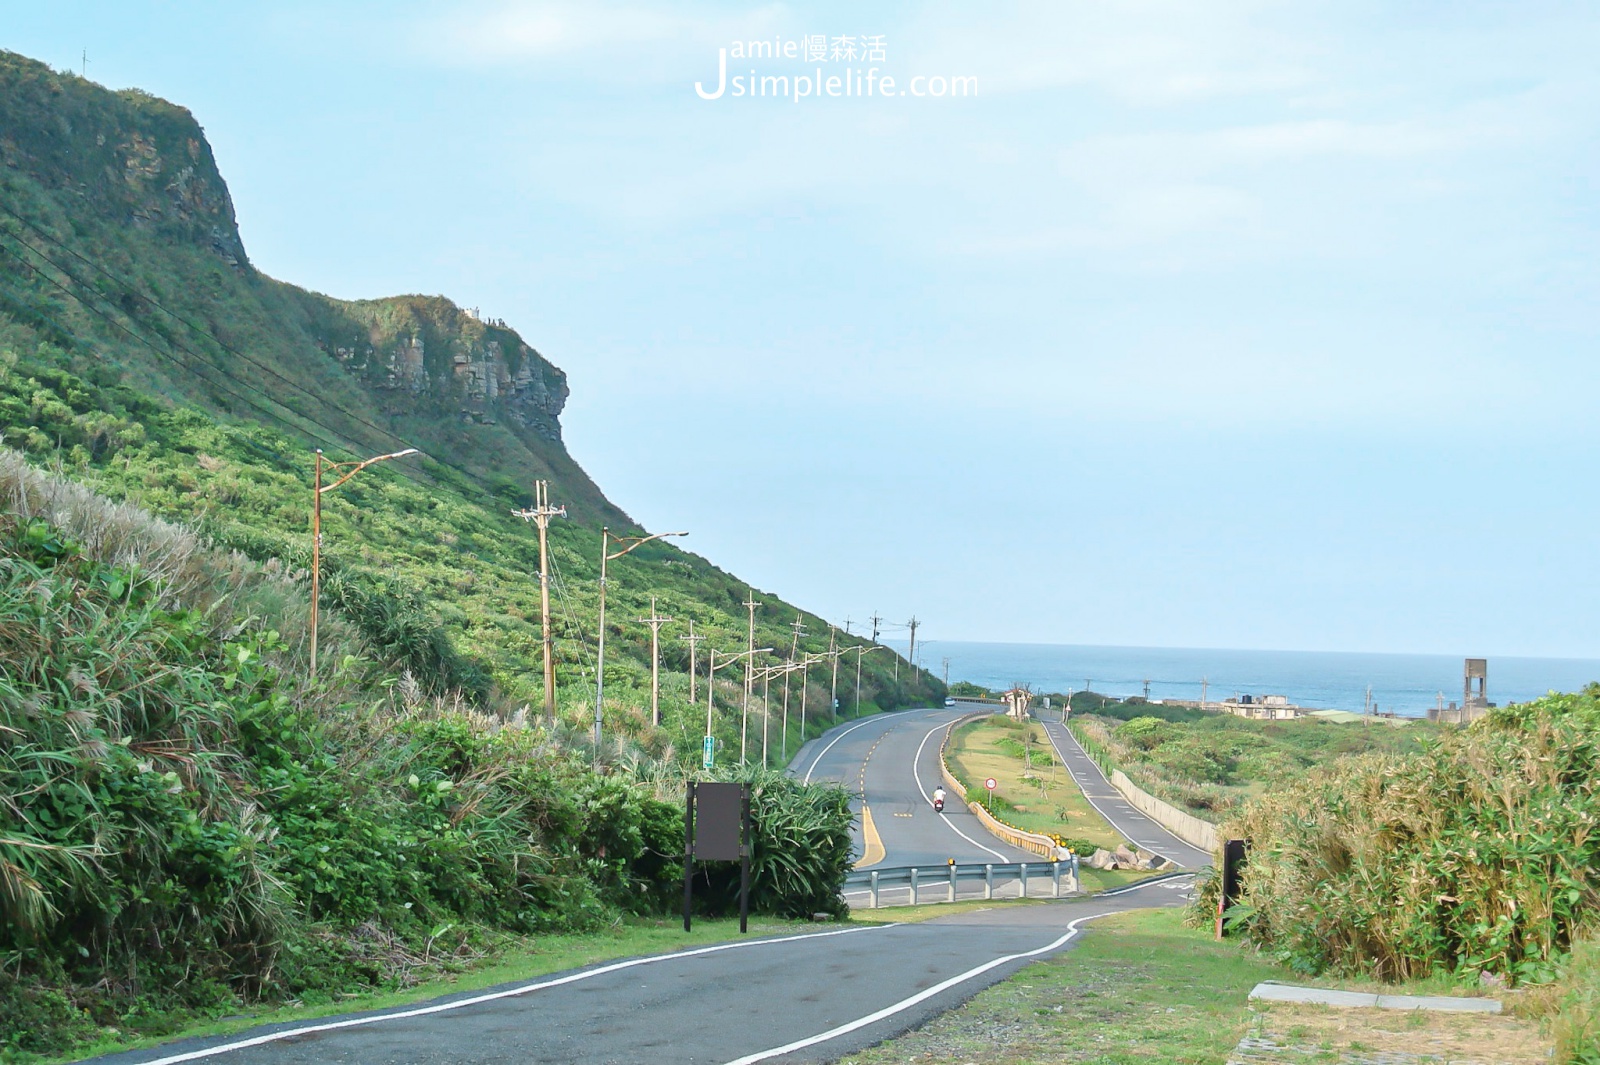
<point>1321,996</point>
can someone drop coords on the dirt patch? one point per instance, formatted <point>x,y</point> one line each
<point>1305,1034</point>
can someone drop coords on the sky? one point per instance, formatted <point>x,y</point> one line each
<point>1256,325</point>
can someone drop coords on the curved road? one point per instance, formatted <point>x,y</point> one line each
<point>804,998</point>
<point>890,762</point>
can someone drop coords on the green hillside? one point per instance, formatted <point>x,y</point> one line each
<point>142,354</point>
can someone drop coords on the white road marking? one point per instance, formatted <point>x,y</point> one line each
<point>905,1004</point>
<point>1143,884</point>
<point>918,778</point>
<point>829,747</point>
<point>511,992</point>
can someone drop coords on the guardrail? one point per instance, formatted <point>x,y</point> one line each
<point>948,878</point>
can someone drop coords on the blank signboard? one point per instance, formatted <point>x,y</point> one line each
<point>718,815</point>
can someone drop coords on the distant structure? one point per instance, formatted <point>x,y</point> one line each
<point>1474,696</point>
<point>1263,707</point>
<point>1016,702</point>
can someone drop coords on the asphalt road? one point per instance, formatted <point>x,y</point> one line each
<point>891,764</point>
<point>805,998</point>
<point>1134,825</point>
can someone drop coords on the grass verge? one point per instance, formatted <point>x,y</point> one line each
<point>1140,987</point>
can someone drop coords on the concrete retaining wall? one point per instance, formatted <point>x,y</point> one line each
<point>1185,826</point>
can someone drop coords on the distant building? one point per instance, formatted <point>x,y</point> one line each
<point>1474,696</point>
<point>1263,707</point>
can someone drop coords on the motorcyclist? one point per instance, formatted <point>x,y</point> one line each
<point>938,798</point>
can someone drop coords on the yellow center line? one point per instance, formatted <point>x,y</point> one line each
<point>875,852</point>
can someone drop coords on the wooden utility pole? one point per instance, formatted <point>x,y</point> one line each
<point>947,671</point>
<point>749,667</point>
<point>799,628</point>
<point>1202,693</point>
<point>540,515</point>
<point>691,640</point>
<point>911,651</point>
<point>875,620</point>
<point>655,621</point>
<point>833,686</point>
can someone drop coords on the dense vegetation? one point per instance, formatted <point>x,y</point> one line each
<point>190,823</point>
<point>1211,763</point>
<point>187,818</point>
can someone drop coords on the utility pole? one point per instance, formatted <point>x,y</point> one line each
<point>911,651</point>
<point>749,667</point>
<point>691,640</point>
<point>833,685</point>
<point>655,621</point>
<point>847,625</point>
<point>947,671</point>
<point>1147,689</point>
<point>541,514</point>
<point>875,620</point>
<point>799,627</point>
<point>1202,693</point>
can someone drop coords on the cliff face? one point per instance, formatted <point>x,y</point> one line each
<point>127,156</point>
<point>118,239</point>
<point>427,348</point>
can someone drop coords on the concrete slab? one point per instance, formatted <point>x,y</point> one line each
<point>1271,992</point>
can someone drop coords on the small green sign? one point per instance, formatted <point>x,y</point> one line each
<point>708,755</point>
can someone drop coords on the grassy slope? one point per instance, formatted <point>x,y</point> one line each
<point>1211,763</point>
<point>125,269</point>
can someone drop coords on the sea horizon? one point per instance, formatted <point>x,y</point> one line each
<point>1402,683</point>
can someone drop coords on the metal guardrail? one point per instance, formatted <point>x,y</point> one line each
<point>948,878</point>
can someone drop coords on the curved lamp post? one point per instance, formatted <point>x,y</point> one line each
<point>350,469</point>
<point>711,675</point>
<point>606,555</point>
<point>862,650</point>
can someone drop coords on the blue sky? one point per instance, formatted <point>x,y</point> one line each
<point>1232,325</point>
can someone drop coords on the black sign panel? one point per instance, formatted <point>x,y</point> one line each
<point>718,815</point>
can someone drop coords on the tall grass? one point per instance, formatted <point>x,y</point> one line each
<point>1481,854</point>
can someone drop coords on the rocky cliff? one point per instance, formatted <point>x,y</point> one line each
<point>118,240</point>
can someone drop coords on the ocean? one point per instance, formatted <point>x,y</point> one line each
<point>1325,680</point>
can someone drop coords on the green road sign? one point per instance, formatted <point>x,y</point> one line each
<point>708,755</point>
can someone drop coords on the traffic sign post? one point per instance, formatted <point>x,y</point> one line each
<point>717,828</point>
<point>990,783</point>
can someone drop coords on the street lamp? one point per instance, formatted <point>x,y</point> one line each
<point>632,543</point>
<point>350,470</point>
<point>711,677</point>
<point>805,676</point>
<point>862,650</point>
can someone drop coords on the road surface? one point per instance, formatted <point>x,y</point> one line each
<point>804,998</point>
<point>1134,825</point>
<point>890,762</point>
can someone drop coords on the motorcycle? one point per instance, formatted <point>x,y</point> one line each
<point>938,806</point>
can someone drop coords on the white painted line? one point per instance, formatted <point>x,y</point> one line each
<point>918,778</point>
<point>1086,795</point>
<point>905,1004</point>
<point>510,992</point>
<point>1153,882</point>
<point>836,739</point>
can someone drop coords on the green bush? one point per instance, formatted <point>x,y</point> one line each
<point>1478,854</point>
